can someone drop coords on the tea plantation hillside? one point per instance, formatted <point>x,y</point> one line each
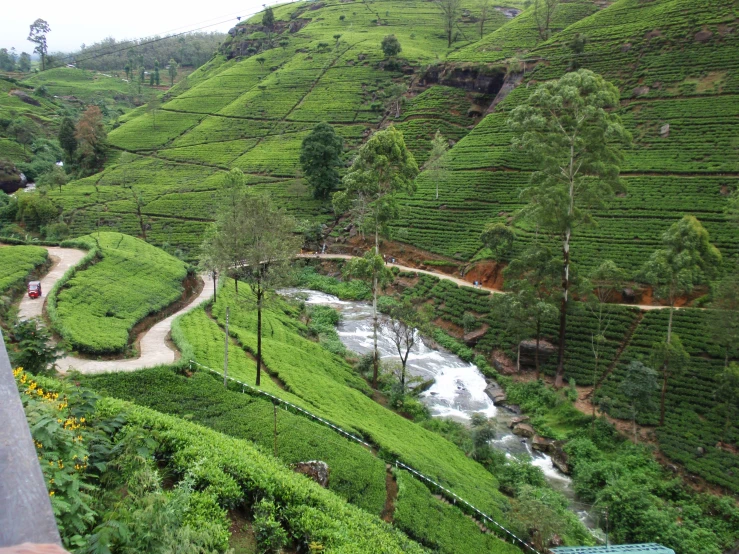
<point>110,458</point>
<point>252,112</point>
<point>676,63</point>
<point>120,281</point>
<point>17,263</point>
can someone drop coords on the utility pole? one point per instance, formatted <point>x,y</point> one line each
<point>225,355</point>
<point>606,528</point>
<point>274,405</point>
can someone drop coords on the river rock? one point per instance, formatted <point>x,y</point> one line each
<point>316,470</point>
<point>528,352</point>
<point>515,408</point>
<point>24,97</point>
<point>495,392</point>
<point>10,178</point>
<point>472,338</point>
<point>542,445</point>
<point>523,430</point>
<point>559,459</point>
<point>516,420</point>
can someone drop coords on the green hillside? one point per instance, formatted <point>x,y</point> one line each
<point>667,76</point>
<point>121,281</point>
<point>253,115</point>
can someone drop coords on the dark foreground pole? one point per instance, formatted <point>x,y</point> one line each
<point>25,508</point>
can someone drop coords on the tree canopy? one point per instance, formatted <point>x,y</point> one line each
<point>567,127</point>
<point>320,158</point>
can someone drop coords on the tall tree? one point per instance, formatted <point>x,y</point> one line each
<point>139,203</point>
<point>543,13</point>
<point>485,7</point>
<point>567,128</point>
<point>532,278</point>
<point>37,35</point>
<point>156,72</point>
<point>723,317</point>
<point>727,394</point>
<point>391,46</point>
<point>320,158</point>
<point>24,130</point>
<point>671,356</point>
<point>172,69</point>
<point>92,139</point>
<point>7,63</point>
<point>601,291</point>
<point>498,238</point>
<point>400,327</point>
<point>383,168</point>
<point>638,386</point>
<point>234,187</point>
<point>687,258</point>
<point>395,97</point>
<point>24,62</point>
<point>153,107</point>
<point>255,242</point>
<point>268,19</point>
<point>436,162</point>
<point>67,140</point>
<point>54,178</point>
<point>449,11</point>
<point>371,269</point>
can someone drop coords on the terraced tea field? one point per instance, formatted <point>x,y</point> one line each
<point>252,115</point>
<point>125,280</point>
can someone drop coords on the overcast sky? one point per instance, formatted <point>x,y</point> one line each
<point>86,21</point>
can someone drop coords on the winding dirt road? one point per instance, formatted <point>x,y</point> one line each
<point>457,280</point>
<point>153,346</point>
<point>154,349</point>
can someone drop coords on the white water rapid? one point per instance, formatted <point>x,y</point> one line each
<point>458,390</point>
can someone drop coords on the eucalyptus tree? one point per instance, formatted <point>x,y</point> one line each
<point>255,242</point>
<point>436,163</point>
<point>568,128</point>
<point>600,292</point>
<point>531,277</point>
<point>320,159</point>
<point>638,386</point>
<point>687,258</point>
<point>383,168</point>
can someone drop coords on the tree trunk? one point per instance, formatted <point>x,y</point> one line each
<point>665,371</point>
<point>633,418</point>
<point>236,284</point>
<point>559,379</point>
<point>518,358</point>
<point>536,353</point>
<point>215,286</point>
<point>663,395</point>
<point>402,379</point>
<point>260,294</point>
<point>375,358</point>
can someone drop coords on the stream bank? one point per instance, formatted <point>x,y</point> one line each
<point>459,390</point>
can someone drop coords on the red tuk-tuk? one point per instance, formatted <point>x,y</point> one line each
<point>34,289</point>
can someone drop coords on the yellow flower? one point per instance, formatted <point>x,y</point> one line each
<point>51,493</point>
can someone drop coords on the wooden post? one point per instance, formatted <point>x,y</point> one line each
<point>274,405</point>
<point>225,354</point>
